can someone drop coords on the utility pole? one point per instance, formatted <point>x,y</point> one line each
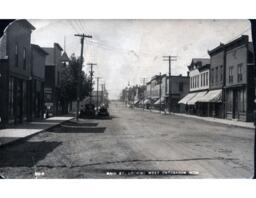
<point>169,59</point>
<point>91,74</point>
<point>97,94</point>
<point>102,95</point>
<point>82,36</point>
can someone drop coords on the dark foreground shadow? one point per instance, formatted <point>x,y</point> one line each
<point>26,154</point>
<point>77,129</point>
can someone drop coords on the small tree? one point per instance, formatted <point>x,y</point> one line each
<point>69,83</point>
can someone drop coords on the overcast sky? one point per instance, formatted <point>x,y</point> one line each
<point>128,50</point>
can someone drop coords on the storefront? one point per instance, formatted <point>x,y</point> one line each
<point>195,107</point>
<point>236,99</point>
<point>213,101</point>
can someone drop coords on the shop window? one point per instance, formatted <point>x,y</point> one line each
<point>229,100</point>
<point>242,100</point>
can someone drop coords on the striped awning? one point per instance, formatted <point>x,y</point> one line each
<point>147,101</point>
<point>188,97</point>
<point>160,100</point>
<point>196,99</point>
<point>214,96</point>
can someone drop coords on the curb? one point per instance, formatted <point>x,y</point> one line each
<point>197,118</point>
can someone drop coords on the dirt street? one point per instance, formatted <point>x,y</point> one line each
<point>133,139</point>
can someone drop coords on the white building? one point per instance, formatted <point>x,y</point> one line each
<point>199,85</point>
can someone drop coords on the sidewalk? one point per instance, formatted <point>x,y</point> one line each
<point>26,130</point>
<point>237,123</point>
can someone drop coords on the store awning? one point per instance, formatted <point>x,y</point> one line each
<point>158,101</point>
<point>136,101</point>
<point>195,99</point>
<point>212,96</point>
<point>188,97</point>
<point>147,101</point>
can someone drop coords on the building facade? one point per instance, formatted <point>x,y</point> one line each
<point>179,89</point>
<point>198,87</point>
<point>239,80</point>
<point>53,69</point>
<point>38,57</point>
<point>157,92</point>
<point>16,71</point>
<point>215,97</point>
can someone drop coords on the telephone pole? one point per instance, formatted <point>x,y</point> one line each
<point>169,59</point>
<point>102,96</point>
<point>82,36</point>
<point>91,74</point>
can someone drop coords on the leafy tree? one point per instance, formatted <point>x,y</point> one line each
<point>69,80</point>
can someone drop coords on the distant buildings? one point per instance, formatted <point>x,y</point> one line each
<point>222,86</point>
<point>155,94</point>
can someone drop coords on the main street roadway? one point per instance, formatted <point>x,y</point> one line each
<point>137,140</point>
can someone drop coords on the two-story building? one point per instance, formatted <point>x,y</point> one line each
<point>53,69</point>
<point>179,89</point>
<point>214,98</point>
<point>198,86</point>
<point>15,64</point>
<point>38,57</point>
<point>239,80</point>
<point>157,92</point>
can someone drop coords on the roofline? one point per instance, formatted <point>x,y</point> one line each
<point>39,49</point>
<point>224,46</point>
<point>58,45</point>
<point>31,27</point>
<point>217,49</point>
